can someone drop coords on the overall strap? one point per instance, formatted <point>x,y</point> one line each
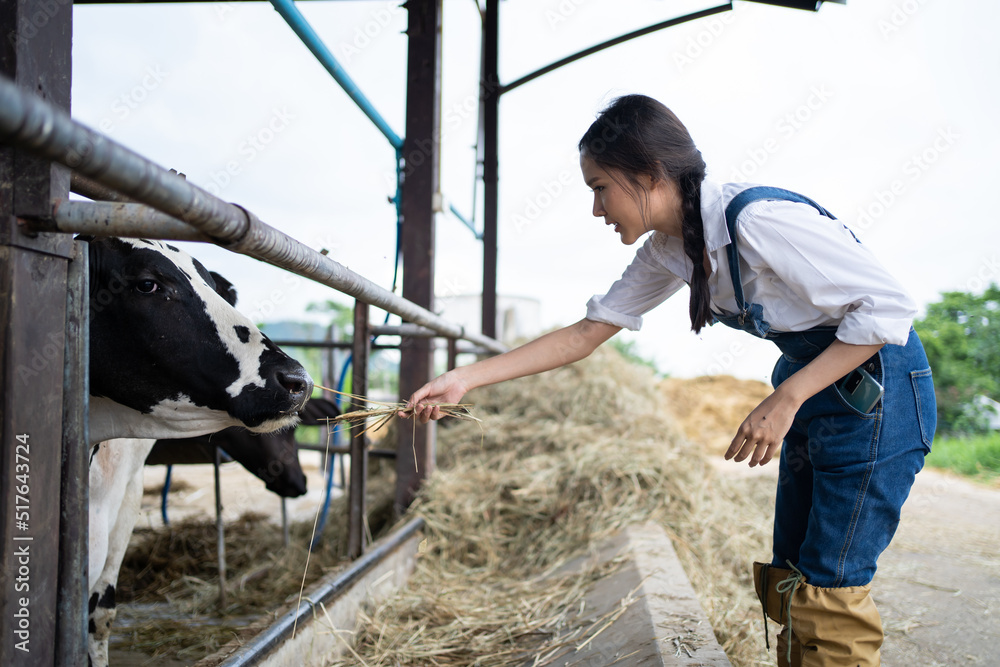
<point>738,203</point>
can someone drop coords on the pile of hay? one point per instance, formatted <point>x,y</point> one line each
<point>174,570</point>
<point>560,462</point>
<point>710,408</point>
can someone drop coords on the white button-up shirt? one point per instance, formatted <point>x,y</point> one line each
<point>803,268</point>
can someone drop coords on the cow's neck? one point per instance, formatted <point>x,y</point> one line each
<point>168,419</point>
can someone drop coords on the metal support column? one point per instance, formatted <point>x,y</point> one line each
<point>356,512</point>
<point>420,181</point>
<point>39,628</point>
<point>74,518</point>
<point>489,90</point>
<point>220,528</point>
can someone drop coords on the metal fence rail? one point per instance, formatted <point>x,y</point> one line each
<point>30,123</point>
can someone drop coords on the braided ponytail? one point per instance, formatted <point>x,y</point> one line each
<point>699,306</point>
<point>636,135</point>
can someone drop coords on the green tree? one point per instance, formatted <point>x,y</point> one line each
<point>961,334</point>
<point>627,348</point>
<point>340,314</point>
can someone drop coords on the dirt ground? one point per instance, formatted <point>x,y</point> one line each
<point>938,583</point>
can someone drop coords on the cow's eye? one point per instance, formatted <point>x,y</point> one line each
<point>146,286</point>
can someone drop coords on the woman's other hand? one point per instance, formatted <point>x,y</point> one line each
<point>763,431</point>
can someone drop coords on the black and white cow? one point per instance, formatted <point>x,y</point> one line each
<point>170,356</point>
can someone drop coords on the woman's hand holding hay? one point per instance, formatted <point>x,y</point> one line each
<point>424,404</point>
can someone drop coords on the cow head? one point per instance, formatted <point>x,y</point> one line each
<point>170,356</point>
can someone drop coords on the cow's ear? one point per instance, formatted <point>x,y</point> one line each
<point>224,288</point>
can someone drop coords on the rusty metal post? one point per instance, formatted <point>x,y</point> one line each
<point>452,354</point>
<point>220,529</point>
<point>489,90</point>
<point>35,53</point>
<point>359,452</point>
<point>420,181</point>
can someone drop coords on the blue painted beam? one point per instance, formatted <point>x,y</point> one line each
<point>297,22</point>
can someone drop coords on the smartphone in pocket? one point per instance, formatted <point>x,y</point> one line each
<point>860,390</point>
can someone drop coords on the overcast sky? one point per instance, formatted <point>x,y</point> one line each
<point>879,110</point>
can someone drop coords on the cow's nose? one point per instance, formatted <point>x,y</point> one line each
<point>296,382</point>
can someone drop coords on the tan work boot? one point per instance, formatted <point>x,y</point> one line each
<point>774,586</point>
<point>837,627</point>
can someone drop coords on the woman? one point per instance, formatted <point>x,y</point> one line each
<point>779,266</point>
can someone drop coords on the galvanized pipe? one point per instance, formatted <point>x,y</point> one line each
<point>28,122</point>
<point>82,185</point>
<point>118,219</point>
<point>405,330</point>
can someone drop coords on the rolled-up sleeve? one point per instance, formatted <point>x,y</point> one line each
<point>821,263</point>
<point>644,285</point>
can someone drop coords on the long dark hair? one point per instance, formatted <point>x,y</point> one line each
<point>636,135</point>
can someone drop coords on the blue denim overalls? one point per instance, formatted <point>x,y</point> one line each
<point>843,474</point>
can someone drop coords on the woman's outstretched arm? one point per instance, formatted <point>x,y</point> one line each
<point>554,349</point>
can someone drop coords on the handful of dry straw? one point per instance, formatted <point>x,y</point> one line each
<point>382,412</point>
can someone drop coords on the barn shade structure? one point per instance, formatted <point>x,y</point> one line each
<point>44,294</point>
